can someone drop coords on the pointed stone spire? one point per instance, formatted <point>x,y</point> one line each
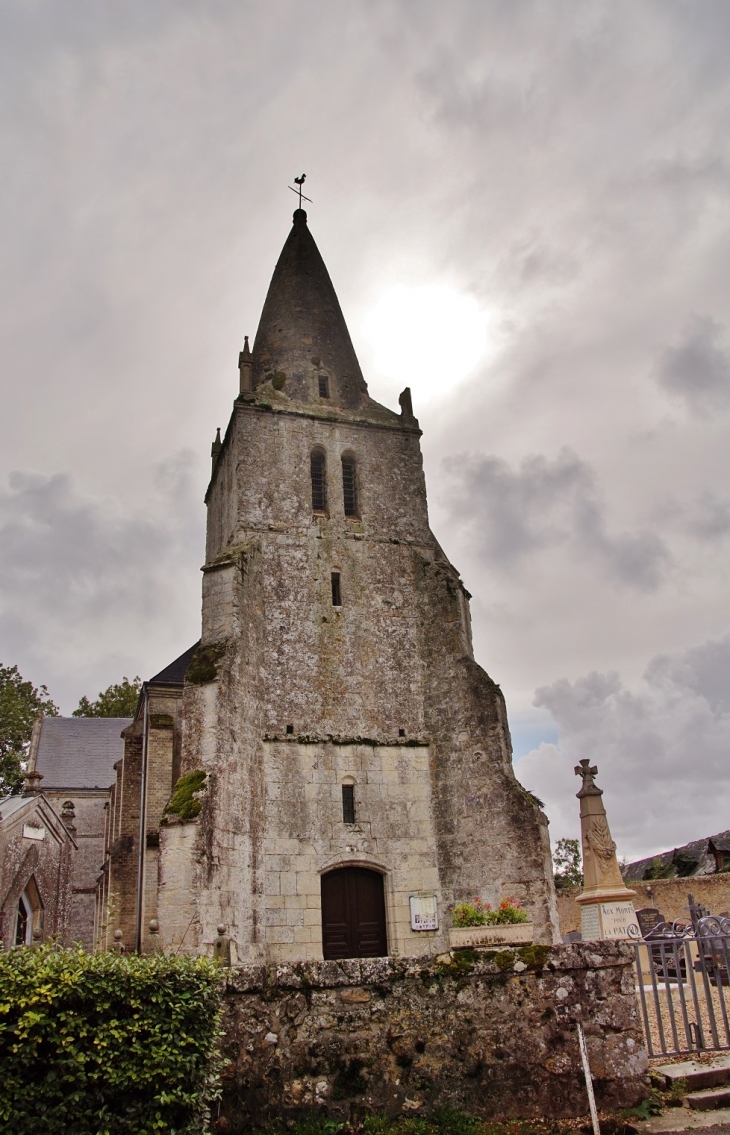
<point>245,367</point>
<point>302,335</point>
<point>216,447</point>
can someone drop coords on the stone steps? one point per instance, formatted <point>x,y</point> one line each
<point>699,1075</point>
<point>708,1100</point>
<point>708,1084</point>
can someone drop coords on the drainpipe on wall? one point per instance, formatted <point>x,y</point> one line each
<point>142,830</point>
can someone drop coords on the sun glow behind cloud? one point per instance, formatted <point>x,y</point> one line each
<point>426,336</point>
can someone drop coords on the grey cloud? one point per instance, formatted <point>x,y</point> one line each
<point>697,368</point>
<point>662,748</point>
<point>710,519</point>
<point>513,514</point>
<point>87,582</point>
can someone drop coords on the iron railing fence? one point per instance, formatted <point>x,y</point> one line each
<point>682,984</point>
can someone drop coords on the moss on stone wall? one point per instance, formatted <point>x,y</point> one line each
<point>204,664</point>
<point>184,802</point>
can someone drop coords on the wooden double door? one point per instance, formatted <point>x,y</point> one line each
<point>353,914</point>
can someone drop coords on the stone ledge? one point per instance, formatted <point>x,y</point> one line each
<point>342,739</point>
<point>379,971</point>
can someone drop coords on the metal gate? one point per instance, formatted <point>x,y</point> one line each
<point>682,985</point>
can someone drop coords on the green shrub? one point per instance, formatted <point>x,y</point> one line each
<point>184,803</point>
<point>107,1045</point>
<point>659,870</point>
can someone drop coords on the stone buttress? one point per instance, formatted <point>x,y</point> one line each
<point>335,658</point>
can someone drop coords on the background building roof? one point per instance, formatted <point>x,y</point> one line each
<point>698,849</point>
<point>12,804</point>
<point>79,752</point>
<point>174,674</point>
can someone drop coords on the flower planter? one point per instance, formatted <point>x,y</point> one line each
<point>511,934</point>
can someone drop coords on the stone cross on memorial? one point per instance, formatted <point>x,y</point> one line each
<point>607,908</point>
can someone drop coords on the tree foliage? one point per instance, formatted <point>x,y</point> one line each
<point>107,1045</point>
<point>20,704</point>
<point>119,700</point>
<point>568,864</point>
<point>659,870</point>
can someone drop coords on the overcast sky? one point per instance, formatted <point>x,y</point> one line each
<point>523,205</point>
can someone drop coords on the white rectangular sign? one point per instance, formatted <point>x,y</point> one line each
<point>30,831</point>
<point>424,913</point>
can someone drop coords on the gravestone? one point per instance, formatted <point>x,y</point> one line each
<point>648,919</point>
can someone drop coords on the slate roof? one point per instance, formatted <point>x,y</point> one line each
<point>80,752</point>
<point>12,804</point>
<point>174,674</point>
<point>301,321</point>
<point>698,849</point>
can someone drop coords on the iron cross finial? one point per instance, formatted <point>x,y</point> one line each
<point>299,182</point>
<point>587,771</point>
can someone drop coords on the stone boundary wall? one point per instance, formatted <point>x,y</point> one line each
<point>492,1033</point>
<point>667,895</point>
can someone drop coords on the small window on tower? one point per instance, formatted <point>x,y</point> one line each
<point>348,803</point>
<point>324,386</point>
<point>319,482</point>
<point>336,590</point>
<point>349,485</point>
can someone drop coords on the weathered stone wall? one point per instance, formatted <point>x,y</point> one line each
<point>493,1034</point>
<point>116,901</point>
<point>43,867</point>
<point>324,693</point>
<point>156,728</point>
<point>88,832</point>
<point>667,895</point>
<point>394,834</point>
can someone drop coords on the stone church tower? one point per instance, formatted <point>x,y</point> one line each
<point>356,756</point>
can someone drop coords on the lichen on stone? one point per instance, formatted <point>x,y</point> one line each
<point>184,802</point>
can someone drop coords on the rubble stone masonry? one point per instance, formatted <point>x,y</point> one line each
<point>492,1034</point>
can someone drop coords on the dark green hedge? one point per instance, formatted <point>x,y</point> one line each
<point>97,1044</point>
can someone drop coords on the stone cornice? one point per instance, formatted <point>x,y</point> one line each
<point>345,739</point>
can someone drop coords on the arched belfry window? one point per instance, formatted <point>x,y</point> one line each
<point>319,481</point>
<point>349,484</point>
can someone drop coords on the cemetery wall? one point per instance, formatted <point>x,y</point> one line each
<point>490,1033</point>
<point>668,895</point>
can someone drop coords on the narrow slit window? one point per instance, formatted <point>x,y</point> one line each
<point>319,482</point>
<point>348,804</point>
<point>324,386</point>
<point>349,485</point>
<point>336,590</point>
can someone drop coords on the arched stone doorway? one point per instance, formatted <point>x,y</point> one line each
<point>353,914</point>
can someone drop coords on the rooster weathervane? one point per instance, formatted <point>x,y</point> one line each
<point>299,182</point>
